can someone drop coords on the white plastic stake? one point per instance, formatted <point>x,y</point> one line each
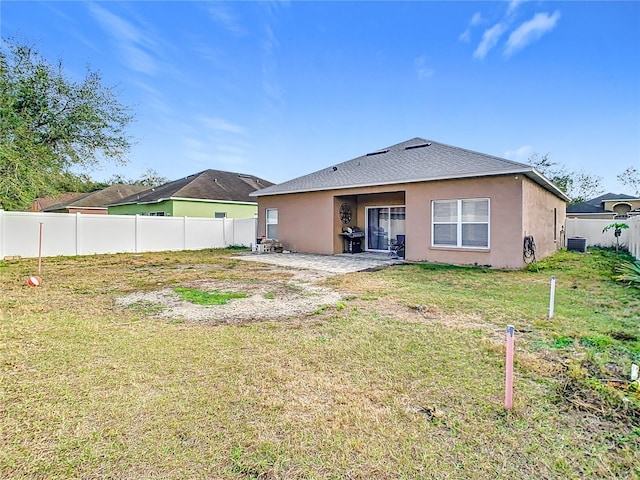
<point>634,372</point>
<point>508,384</point>
<point>552,297</point>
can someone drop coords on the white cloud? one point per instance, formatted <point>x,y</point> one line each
<point>270,80</point>
<point>209,153</point>
<point>130,40</point>
<point>475,20</point>
<point>489,40</point>
<point>521,154</point>
<point>513,5</point>
<point>221,125</point>
<point>223,17</point>
<point>530,31</point>
<point>422,69</point>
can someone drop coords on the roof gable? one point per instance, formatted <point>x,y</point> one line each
<point>415,160</point>
<point>207,185</point>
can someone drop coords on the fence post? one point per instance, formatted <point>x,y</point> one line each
<point>233,232</point>
<point>184,232</point>
<point>224,232</point>
<point>78,238</point>
<point>136,234</point>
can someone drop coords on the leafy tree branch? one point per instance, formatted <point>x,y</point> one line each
<point>50,124</point>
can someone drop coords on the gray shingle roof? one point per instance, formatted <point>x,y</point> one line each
<point>99,198</point>
<point>416,160</point>
<point>596,205</point>
<point>585,207</point>
<point>207,185</point>
<point>610,196</point>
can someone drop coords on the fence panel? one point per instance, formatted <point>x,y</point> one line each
<point>591,229</point>
<point>634,237</point>
<point>85,234</point>
<point>241,231</point>
<point>20,234</point>
<point>156,234</point>
<point>105,234</point>
<point>204,233</point>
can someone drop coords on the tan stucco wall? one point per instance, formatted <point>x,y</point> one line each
<point>305,221</point>
<point>505,203</point>
<point>540,208</point>
<point>611,204</point>
<point>309,222</point>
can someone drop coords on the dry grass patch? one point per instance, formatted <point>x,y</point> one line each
<point>372,387</point>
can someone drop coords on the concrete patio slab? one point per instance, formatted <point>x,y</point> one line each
<point>334,264</point>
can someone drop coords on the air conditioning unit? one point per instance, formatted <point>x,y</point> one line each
<point>577,244</point>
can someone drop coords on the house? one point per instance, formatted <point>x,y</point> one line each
<point>448,204</point>
<point>94,202</point>
<point>608,206</point>
<point>211,194</point>
<point>40,203</point>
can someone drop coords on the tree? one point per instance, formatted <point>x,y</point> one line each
<point>631,178</point>
<point>617,231</point>
<point>580,185</point>
<point>50,125</point>
<point>150,178</point>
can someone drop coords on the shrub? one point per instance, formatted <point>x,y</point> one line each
<point>629,272</point>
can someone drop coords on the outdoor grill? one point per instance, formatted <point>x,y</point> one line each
<point>352,240</point>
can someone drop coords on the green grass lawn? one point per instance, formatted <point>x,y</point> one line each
<point>404,378</point>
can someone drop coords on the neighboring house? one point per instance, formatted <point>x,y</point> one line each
<point>95,202</point>
<point>609,205</point>
<point>448,204</point>
<point>211,194</point>
<point>40,203</point>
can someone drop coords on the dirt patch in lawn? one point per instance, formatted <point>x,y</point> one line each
<point>297,293</point>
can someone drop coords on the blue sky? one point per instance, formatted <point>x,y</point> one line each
<point>281,89</point>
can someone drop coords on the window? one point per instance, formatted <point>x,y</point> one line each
<point>157,214</point>
<point>461,223</point>
<point>272,223</point>
<point>220,215</point>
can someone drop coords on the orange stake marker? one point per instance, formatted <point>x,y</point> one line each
<point>508,387</point>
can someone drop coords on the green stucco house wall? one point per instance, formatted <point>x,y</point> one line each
<point>189,208</point>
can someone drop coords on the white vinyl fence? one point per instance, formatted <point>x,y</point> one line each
<point>591,229</point>
<point>86,234</point>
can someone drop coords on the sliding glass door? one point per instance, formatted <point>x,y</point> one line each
<point>385,226</point>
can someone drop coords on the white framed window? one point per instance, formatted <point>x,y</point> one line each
<point>157,214</point>
<point>460,223</point>
<point>272,223</point>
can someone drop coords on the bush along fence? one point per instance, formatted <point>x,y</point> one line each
<point>85,234</point>
<point>597,234</point>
